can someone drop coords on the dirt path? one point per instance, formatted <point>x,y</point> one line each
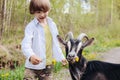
<point>62,75</point>
<point>112,56</point>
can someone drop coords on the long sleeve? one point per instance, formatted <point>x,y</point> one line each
<point>27,42</point>
<point>33,43</point>
<point>57,51</point>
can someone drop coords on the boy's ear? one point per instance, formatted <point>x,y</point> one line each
<point>61,40</point>
<point>88,42</point>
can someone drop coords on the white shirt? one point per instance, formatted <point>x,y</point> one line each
<point>34,43</point>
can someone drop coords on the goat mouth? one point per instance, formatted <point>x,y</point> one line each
<point>71,60</point>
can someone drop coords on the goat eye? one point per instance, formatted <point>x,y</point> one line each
<point>78,47</point>
<point>69,45</point>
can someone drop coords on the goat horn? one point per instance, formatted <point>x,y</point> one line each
<point>69,36</point>
<point>81,36</point>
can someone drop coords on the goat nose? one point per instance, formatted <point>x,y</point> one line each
<point>71,56</point>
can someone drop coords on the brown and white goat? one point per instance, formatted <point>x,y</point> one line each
<point>83,69</point>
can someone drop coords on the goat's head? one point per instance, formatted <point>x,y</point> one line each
<point>73,46</point>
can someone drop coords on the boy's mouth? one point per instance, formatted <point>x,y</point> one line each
<point>42,18</point>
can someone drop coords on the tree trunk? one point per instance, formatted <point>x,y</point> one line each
<point>25,18</point>
<point>111,12</point>
<point>96,11</point>
<point>0,14</point>
<point>3,13</point>
<point>10,13</point>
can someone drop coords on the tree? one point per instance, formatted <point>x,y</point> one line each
<point>3,13</point>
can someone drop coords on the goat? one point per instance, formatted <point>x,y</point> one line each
<point>83,69</point>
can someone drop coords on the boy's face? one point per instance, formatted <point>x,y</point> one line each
<point>40,15</point>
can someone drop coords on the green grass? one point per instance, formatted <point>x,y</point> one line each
<point>16,74</point>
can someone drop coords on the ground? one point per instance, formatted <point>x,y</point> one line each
<point>112,56</point>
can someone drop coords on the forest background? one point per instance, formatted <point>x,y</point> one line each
<point>101,20</point>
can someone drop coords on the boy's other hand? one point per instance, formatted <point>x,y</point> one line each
<point>64,62</point>
<point>35,60</point>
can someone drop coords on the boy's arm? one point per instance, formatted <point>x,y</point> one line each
<point>27,43</point>
<point>57,51</point>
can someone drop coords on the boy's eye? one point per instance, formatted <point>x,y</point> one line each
<point>41,11</point>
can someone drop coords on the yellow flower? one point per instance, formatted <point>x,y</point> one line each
<point>53,61</point>
<point>5,75</point>
<point>77,59</point>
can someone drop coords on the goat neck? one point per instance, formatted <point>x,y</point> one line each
<point>77,69</point>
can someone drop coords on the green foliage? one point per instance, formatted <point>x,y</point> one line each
<point>118,7</point>
<point>16,74</point>
<point>57,67</point>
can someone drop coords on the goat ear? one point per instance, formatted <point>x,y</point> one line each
<point>88,42</point>
<point>61,40</point>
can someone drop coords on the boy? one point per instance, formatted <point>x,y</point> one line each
<point>40,38</point>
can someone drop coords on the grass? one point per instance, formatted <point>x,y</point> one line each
<point>16,74</point>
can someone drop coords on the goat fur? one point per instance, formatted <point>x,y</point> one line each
<point>90,70</point>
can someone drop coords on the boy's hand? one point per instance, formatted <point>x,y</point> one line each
<point>64,62</point>
<point>35,60</point>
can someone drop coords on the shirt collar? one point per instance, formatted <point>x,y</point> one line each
<point>36,21</point>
